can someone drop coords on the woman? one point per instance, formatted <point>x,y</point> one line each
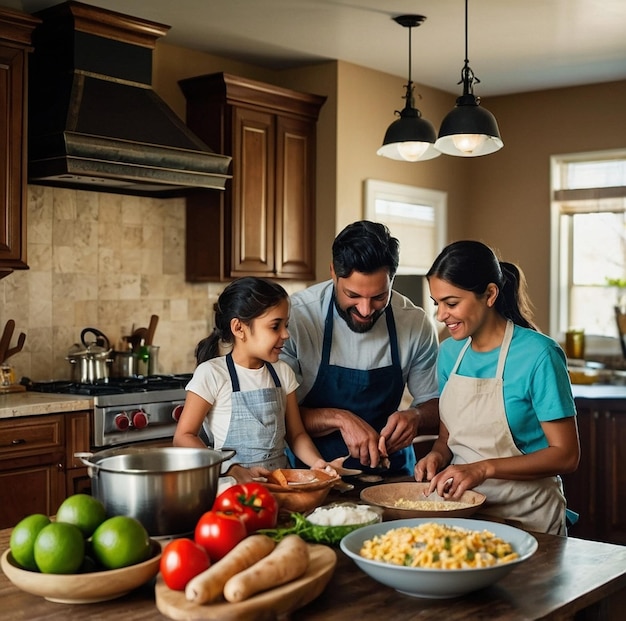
<point>508,425</point>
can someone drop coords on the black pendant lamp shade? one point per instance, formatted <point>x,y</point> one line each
<point>468,130</point>
<point>409,138</point>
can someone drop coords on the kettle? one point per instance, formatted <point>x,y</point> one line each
<point>90,361</point>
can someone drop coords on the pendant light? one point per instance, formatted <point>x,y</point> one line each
<point>410,138</point>
<point>468,130</point>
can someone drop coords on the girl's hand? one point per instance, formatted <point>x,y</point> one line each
<point>245,475</point>
<point>329,468</point>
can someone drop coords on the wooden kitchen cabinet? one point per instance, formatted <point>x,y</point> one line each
<point>263,224</point>
<point>597,490</point>
<point>37,465</point>
<point>15,38</point>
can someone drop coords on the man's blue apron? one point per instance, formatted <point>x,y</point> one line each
<point>257,423</point>
<point>371,394</point>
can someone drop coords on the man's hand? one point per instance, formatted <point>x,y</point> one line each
<point>361,439</point>
<point>400,429</point>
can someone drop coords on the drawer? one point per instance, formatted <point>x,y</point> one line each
<point>32,435</point>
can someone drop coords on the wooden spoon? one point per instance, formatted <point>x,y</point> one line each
<point>5,340</point>
<point>154,320</point>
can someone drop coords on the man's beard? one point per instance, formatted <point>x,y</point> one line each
<point>355,326</point>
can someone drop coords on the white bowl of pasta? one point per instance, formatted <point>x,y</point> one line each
<point>450,556</point>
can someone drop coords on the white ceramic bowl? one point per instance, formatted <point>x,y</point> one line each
<point>438,583</point>
<point>84,588</point>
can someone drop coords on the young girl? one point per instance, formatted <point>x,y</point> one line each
<point>508,418</point>
<point>246,399</point>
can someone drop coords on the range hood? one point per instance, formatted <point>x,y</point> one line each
<point>95,123</point>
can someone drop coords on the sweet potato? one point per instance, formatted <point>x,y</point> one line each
<point>208,586</point>
<point>289,560</point>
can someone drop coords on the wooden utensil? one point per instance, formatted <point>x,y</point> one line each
<point>154,320</point>
<point>21,339</point>
<point>5,340</point>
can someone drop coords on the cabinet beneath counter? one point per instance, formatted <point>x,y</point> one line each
<point>37,465</point>
<point>263,224</point>
<point>597,490</point>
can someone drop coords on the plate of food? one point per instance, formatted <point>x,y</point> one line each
<point>408,500</point>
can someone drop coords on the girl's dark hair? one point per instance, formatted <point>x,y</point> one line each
<point>471,265</point>
<point>245,299</point>
<point>365,247</point>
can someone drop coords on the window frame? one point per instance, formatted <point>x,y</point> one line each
<point>561,269</point>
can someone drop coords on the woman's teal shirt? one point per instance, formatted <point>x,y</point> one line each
<point>537,386</point>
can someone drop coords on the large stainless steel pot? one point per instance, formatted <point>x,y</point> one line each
<point>167,489</point>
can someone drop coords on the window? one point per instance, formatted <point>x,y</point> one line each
<point>588,272</point>
<point>417,217</point>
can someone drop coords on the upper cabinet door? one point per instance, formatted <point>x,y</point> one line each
<point>253,193</point>
<point>264,223</point>
<point>295,197</point>
<point>15,36</point>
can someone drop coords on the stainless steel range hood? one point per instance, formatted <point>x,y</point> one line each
<point>95,122</point>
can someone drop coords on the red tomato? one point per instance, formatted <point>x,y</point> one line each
<point>252,502</point>
<point>218,533</point>
<point>181,560</point>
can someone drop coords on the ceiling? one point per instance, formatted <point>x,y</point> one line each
<point>514,45</point>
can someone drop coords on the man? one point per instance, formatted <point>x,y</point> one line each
<point>353,368</point>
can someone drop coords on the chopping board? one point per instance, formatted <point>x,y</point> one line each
<point>263,606</point>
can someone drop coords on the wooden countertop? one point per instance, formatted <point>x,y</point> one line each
<point>29,403</point>
<point>565,576</point>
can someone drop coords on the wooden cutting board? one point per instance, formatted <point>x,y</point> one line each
<point>267,605</point>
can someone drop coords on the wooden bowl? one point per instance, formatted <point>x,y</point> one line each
<point>300,490</point>
<point>86,588</point>
<point>387,495</point>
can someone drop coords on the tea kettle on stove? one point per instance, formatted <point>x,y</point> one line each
<point>90,359</point>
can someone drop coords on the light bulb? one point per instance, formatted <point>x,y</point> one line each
<point>412,151</point>
<point>468,143</point>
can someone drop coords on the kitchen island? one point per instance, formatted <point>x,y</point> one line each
<point>566,577</point>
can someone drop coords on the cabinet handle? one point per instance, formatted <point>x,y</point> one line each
<point>18,441</point>
<point>60,467</point>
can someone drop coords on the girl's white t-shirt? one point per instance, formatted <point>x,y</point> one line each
<point>212,382</point>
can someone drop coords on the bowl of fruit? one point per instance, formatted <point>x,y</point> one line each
<point>81,556</point>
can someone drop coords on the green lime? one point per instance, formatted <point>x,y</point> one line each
<point>83,511</point>
<point>22,542</point>
<point>59,548</point>
<point>120,541</point>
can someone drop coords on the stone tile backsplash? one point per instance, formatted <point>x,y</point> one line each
<point>109,262</point>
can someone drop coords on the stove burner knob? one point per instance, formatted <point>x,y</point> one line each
<point>122,422</point>
<point>140,419</point>
<point>177,411</point>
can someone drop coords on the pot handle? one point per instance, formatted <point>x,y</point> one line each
<point>97,334</point>
<point>227,453</point>
<point>92,469</point>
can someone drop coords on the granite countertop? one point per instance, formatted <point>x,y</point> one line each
<point>29,403</point>
<point>598,391</point>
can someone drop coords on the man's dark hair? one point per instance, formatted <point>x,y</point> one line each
<point>365,247</point>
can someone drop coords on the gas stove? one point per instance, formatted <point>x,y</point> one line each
<point>128,410</point>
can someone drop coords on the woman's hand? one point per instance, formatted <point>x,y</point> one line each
<point>452,482</point>
<point>427,467</point>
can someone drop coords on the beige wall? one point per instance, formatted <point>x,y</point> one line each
<point>502,199</point>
